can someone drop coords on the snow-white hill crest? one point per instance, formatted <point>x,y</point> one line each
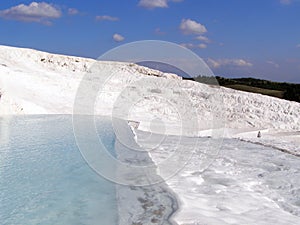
<point>35,82</point>
<point>28,58</point>
<point>33,59</point>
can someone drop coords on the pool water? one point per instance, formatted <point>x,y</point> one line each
<point>45,180</point>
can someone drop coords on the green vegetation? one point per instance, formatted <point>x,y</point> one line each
<point>286,91</point>
<point>241,87</point>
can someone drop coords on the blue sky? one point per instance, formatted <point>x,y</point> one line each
<point>259,38</point>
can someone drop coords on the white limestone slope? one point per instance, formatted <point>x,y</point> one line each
<point>34,82</point>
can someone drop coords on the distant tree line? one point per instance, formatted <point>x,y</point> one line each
<point>290,91</point>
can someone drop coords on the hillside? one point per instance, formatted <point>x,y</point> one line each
<point>33,82</point>
<point>285,91</point>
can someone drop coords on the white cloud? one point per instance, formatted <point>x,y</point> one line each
<point>191,46</point>
<point>72,11</point>
<point>189,26</point>
<point>106,17</point>
<point>34,12</point>
<point>188,45</point>
<point>228,62</point>
<point>298,46</point>
<point>151,4</point>
<point>213,63</point>
<point>118,37</point>
<point>202,46</point>
<point>203,38</point>
<point>273,64</point>
<point>286,2</point>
